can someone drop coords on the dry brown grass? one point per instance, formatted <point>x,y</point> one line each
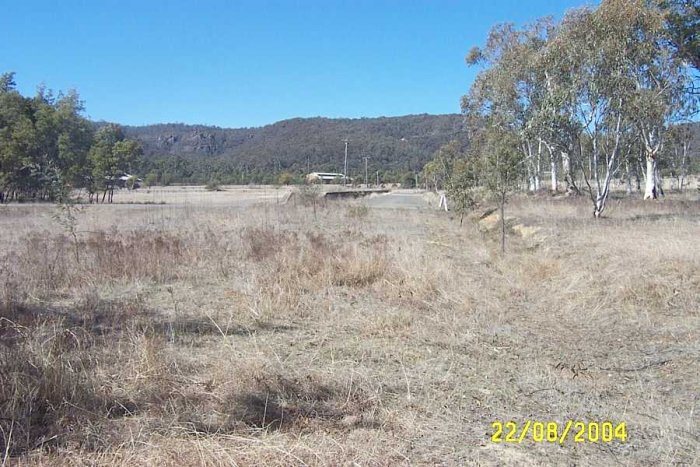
<point>213,335</point>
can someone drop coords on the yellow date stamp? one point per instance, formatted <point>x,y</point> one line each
<point>554,432</point>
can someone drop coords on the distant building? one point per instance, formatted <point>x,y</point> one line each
<point>125,181</point>
<point>325,177</point>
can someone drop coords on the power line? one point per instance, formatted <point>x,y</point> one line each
<point>366,158</point>
<point>345,169</point>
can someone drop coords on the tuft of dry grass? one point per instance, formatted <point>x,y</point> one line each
<point>292,402</point>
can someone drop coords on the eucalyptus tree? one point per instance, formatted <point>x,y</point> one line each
<point>682,21</point>
<point>62,141</point>
<point>585,73</point>
<point>498,161</point>
<point>439,170</point>
<point>502,88</point>
<point>678,153</point>
<point>16,137</point>
<point>44,142</point>
<point>658,81</point>
<point>7,81</point>
<point>555,122</point>
<point>463,182</point>
<point>514,86</point>
<point>111,156</point>
<point>621,85</point>
<point>74,139</point>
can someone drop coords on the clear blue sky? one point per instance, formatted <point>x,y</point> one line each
<point>251,62</point>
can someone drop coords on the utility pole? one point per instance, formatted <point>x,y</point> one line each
<point>377,178</point>
<point>366,180</point>
<point>345,170</point>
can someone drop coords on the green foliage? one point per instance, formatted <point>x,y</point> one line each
<point>7,82</point>
<point>47,147</point>
<point>213,185</point>
<point>500,161</point>
<point>44,143</point>
<point>441,168</point>
<point>463,184</point>
<point>408,180</point>
<point>600,85</point>
<point>455,171</point>
<point>66,216</point>
<point>167,179</point>
<point>682,18</point>
<point>493,162</point>
<point>151,179</point>
<point>111,156</point>
<point>286,178</point>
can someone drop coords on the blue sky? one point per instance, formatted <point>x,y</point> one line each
<point>250,63</point>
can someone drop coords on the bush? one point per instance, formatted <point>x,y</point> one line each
<point>285,178</point>
<point>359,211</point>
<point>49,392</point>
<point>151,179</point>
<point>166,179</point>
<point>408,180</point>
<point>213,185</point>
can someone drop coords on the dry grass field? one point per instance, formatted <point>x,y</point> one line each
<point>204,333</point>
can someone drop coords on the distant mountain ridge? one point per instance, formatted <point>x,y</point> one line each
<point>395,146</point>
<point>301,144</point>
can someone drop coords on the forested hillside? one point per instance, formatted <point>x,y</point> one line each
<point>395,146</point>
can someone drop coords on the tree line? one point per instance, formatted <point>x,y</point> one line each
<point>48,149</point>
<point>222,170</point>
<point>397,147</point>
<point>605,94</point>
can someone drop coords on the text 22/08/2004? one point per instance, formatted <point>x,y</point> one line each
<point>553,432</point>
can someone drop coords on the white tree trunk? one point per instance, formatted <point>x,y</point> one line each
<point>659,181</point>
<point>599,207</point>
<point>652,144</point>
<point>628,177</point>
<point>651,188</point>
<point>443,202</point>
<point>553,171</point>
<point>530,168</point>
<point>538,166</point>
<point>566,169</point>
<point>530,177</point>
<point>684,166</point>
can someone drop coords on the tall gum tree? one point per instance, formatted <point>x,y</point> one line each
<point>658,81</point>
<point>511,88</point>
<point>622,81</point>
<point>587,70</point>
<point>111,156</point>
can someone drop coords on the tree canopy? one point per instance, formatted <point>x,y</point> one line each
<point>595,93</point>
<point>48,148</point>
